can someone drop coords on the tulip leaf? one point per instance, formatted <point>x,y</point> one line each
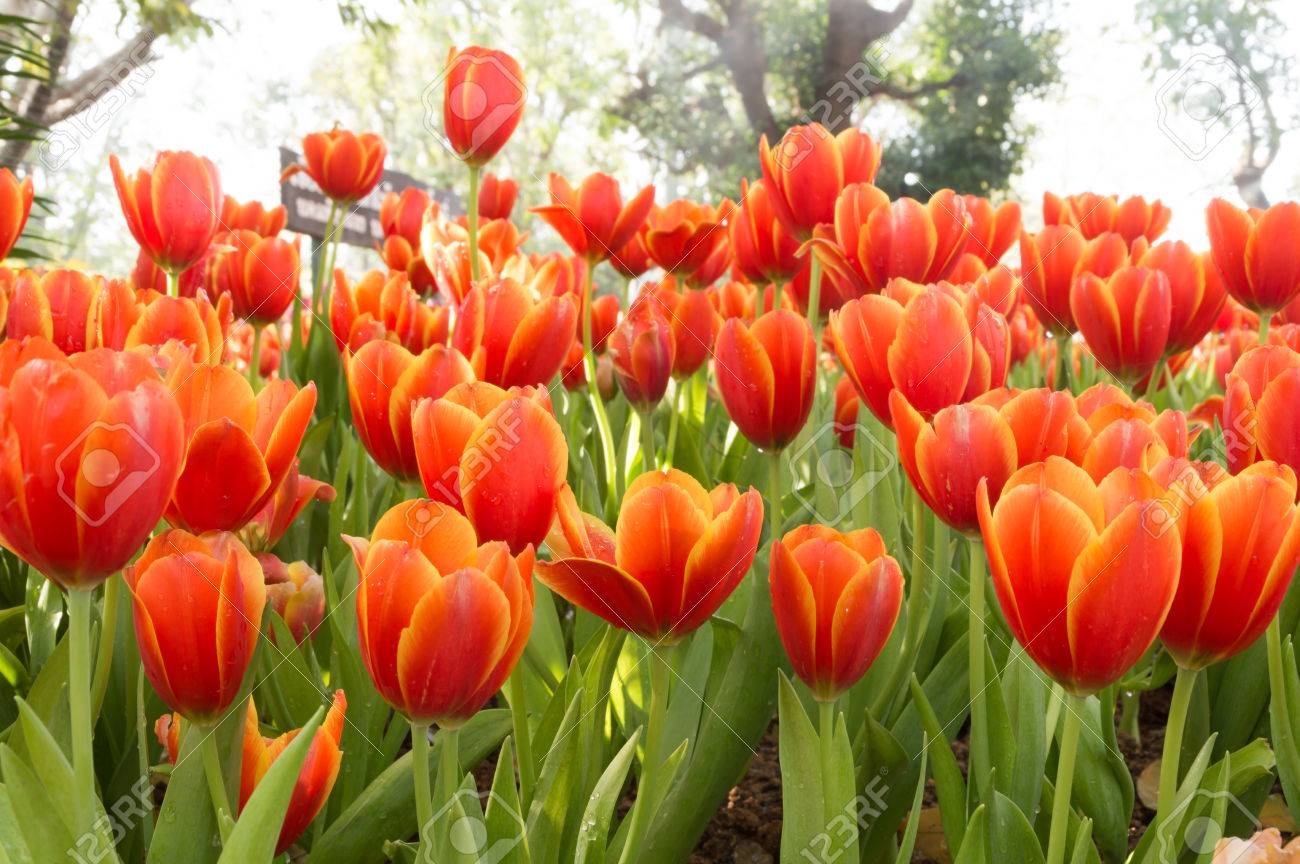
<point>44,612</point>
<point>257,831</point>
<point>507,841</point>
<point>950,787</point>
<point>1103,786</point>
<point>50,764</point>
<point>48,697</point>
<point>48,839</point>
<point>1284,714</point>
<point>1011,836</point>
<point>384,810</point>
<point>593,832</point>
<point>886,772</point>
<point>689,685</point>
<point>1082,851</point>
<point>914,819</point>
<point>298,689</point>
<point>1025,689</point>
<point>551,819</point>
<point>13,848</point>
<point>974,849</point>
<point>186,829</point>
<point>803,823</point>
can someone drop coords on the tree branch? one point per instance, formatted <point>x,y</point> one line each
<point>71,98</point>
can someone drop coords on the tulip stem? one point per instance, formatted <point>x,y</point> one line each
<point>593,395</point>
<point>83,760</point>
<point>1184,684</point>
<point>1064,352</point>
<point>255,358</point>
<point>523,739</point>
<point>647,793</point>
<point>975,641</point>
<point>648,460</point>
<point>423,797</point>
<point>1153,382</point>
<point>916,603</point>
<point>320,275</point>
<point>173,283</point>
<point>774,494</point>
<point>216,780</point>
<point>107,634</point>
<point>826,725</point>
<point>1069,748</point>
<point>1264,321</point>
<point>142,741</point>
<point>678,406</point>
<point>471,218</point>
<point>814,298</point>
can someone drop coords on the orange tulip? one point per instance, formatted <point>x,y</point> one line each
<point>766,374</point>
<point>998,288</point>
<point>296,593</point>
<point>593,219</point>
<point>15,205</point>
<point>836,598</point>
<point>315,779</point>
<point>1241,545</point>
<point>847,404</point>
<point>807,169</point>
<point>441,620</point>
<point>1094,215</point>
<point>483,101</point>
<point>196,660</point>
<point>346,166</point>
<point>763,250</point>
<point>496,196</point>
<point>260,274</point>
<point>125,322</point>
<point>240,446</point>
<point>1083,583</point>
<point>296,491</point>
<point>172,210</point>
<point>683,238</point>
<point>676,554</point>
<point>1125,319</point>
<point>1131,435</point>
<point>384,383</point>
<point>93,447</point>
<point>873,241</point>
<point>1196,294</point>
<point>1259,420</point>
<point>991,230</point>
<point>1256,254</point>
<point>498,456</point>
<point>938,345</point>
<point>146,275</point>
<point>1048,262</point>
<point>252,216</point>
<point>694,324</point>
<point>632,260</point>
<point>379,306</point>
<point>56,305</point>
<point>643,349</point>
<point>511,338</point>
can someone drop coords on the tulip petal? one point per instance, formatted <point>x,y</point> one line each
<point>602,589</point>
<point>719,561</point>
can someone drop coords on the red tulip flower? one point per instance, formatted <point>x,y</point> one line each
<point>683,237</point>
<point>483,101</point>
<point>1048,263</point>
<point>1256,253</point>
<point>694,323</point>
<point>763,250</point>
<point>1125,319</point>
<point>379,306</point>
<point>496,197</point>
<point>766,374</point>
<point>172,210</point>
<point>198,609</point>
<point>873,241</point>
<point>672,560</point>
<point>807,169</point>
<point>296,593</point>
<point>511,338</point>
<point>346,166</point>
<point>441,620</point>
<point>384,383</point>
<point>252,216</point>
<point>1259,419</point>
<point>286,505</point>
<point>15,205</point>
<point>643,349</point>
<point>240,446</point>
<point>1094,215</point>
<point>991,230</point>
<point>1196,294</point>
<point>836,598</point>
<point>1083,582</point>
<point>260,274</point>
<point>56,305</point>
<point>93,447</point>
<point>632,260</point>
<point>1241,545</point>
<point>497,456</point>
<point>593,219</point>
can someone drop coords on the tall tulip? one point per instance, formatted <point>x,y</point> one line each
<point>643,348</point>
<point>379,306</point>
<point>1048,261</point>
<point>499,457</point>
<point>252,216</point>
<point>694,323</point>
<point>593,220</point>
<point>766,375</point>
<point>836,597</point>
<point>345,165</point>
<point>173,210</point>
<point>763,249</point>
<point>1094,214</point>
<point>1259,420</point>
<point>496,197</point>
<point>805,171</point>
<point>1125,319</point>
<point>483,102</point>
<point>992,230</point>
<point>683,237</point>
<point>260,274</point>
<point>1255,252</point>
<point>15,205</point>
<point>1196,294</point>
<point>510,337</point>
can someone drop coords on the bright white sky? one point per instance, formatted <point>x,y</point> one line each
<point>1100,131</point>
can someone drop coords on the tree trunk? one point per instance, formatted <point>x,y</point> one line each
<point>15,149</point>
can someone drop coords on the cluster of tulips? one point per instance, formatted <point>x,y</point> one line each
<point>1107,431</point>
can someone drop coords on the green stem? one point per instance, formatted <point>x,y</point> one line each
<point>978,710</point>
<point>826,725</point>
<point>1153,382</point>
<point>774,494</point>
<point>216,780</point>
<point>1064,356</point>
<point>1184,684</point>
<point>83,754</point>
<point>255,359</point>
<point>593,396</point>
<point>423,796</point>
<point>918,582</point>
<point>523,739</point>
<point>471,217</point>
<point>1069,748</point>
<point>142,740</point>
<point>322,275</point>
<point>449,775</point>
<point>173,283</point>
<point>682,387</point>
<point>814,296</point>
<point>107,641</point>
<point>648,790</point>
<point>648,460</point>
<point>1264,321</point>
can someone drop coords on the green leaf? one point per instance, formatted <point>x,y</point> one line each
<point>802,803</point>
<point>552,822</point>
<point>13,848</point>
<point>50,764</point>
<point>914,820</point>
<point>593,833</point>
<point>256,833</point>
<point>1011,836</point>
<point>950,787</point>
<point>506,829</point>
<point>1025,690</point>
<point>1103,786</point>
<point>974,850</point>
<point>49,839</point>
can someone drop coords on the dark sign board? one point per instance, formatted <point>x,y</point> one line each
<point>309,209</point>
